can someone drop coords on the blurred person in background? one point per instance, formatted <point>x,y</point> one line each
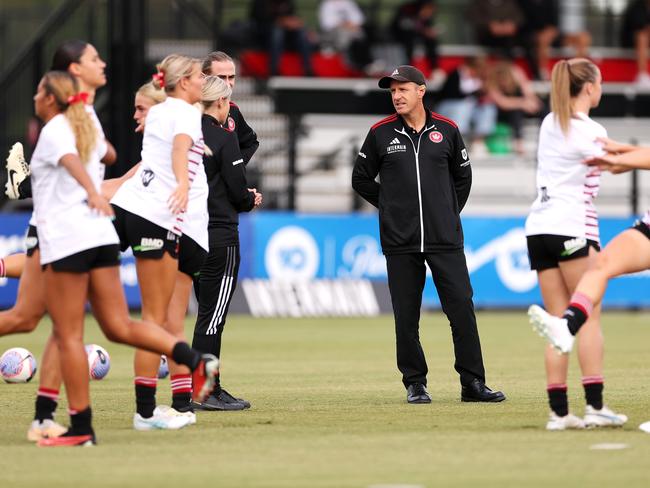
<point>512,92</point>
<point>413,25</point>
<point>276,23</point>
<point>465,101</point>
<point>635,32</point>
<point>551,22</point>
<point>342,26</point>
<point>497,24</point>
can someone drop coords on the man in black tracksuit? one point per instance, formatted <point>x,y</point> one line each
<point>425,179</point>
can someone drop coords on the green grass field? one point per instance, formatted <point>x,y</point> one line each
<point>329,410</point>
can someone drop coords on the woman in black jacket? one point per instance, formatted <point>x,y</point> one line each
<point>229,195</point>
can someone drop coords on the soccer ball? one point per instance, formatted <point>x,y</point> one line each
<point>17,365</point>
<point>99,362</point>
<point>163,369</point>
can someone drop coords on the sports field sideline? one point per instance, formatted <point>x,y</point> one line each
<point>329,411</point>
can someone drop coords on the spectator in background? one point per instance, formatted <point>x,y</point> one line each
<point>540,31</point>
<point>342,26</point>
<point>498,24</point>
<point>464,100</point>
<point>412,24</point>
<point>276,22</point>
<point>635,33</point>
<point>513,94</point>
<point>551,22</point>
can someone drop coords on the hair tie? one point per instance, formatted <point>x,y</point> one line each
<point>78,97</point>
<point>160,78</point>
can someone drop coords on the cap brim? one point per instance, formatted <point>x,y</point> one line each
<point>385,81</point>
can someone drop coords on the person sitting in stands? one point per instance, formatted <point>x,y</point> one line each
<point>413,24</point>
<point>275,22</point>
<point>513,94</point>
<point>464,100</point>
<point>342,25</point>
<point>498,24</point>
<point>635,32</point>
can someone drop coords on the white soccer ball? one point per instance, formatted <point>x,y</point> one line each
<point>163,369</point>
<point>99,362</point>
<point>17,365</point>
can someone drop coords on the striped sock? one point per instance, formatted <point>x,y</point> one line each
<point>145,395</point>
<point>181,392</point>
<point>580,308</point>
<point>557,398</point>
<point>594,386</point>
<point>3,269</point>
<point>46,402</point>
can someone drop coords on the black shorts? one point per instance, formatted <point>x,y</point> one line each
<point>31,241</point>
<point>84,261</point>
<point>546,251</point>
<point>146,239</point>
<point>642,227</point>
<point>191,257</point>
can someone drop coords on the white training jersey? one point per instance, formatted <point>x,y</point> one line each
<point>102,148</point>
<point>65,223</point>
<point>194,222</point>
<point>566,186</point>
<point>147,193</point>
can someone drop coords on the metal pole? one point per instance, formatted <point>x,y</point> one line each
<point>293,126</point>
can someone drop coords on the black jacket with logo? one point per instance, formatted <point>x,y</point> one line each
<point>226,174</point>
<point>246,136</point>
<point>425,179</point>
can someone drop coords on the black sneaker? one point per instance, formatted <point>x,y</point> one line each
<point>417,393</point>
<point>246,403</point>
<point>222,401</point>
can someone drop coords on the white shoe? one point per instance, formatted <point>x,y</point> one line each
<point>569,421</point>
<point>645,427</point>
<point>159,421</point>
<point>554,329</point>
<point>17,171</point>
<point>44,429</point>
<point>603,417</point>
<point>172,412</point>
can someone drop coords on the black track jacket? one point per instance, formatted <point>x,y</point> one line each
<point>246,136</point>
<point>226,174</point>
<point>425,180</point>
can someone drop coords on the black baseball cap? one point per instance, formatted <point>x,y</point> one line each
<point>403,73</point>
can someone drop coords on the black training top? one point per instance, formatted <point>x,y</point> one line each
<point>425,179</point>
<point>226,174</point>
<point>246,136</point>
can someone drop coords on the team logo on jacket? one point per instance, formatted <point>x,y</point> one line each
<point>396,146</point>
<point>147,176</point>
<point>231,124</point>
<point>435,136</point>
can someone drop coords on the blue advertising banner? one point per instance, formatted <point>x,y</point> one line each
<point>303,247</point>
<point>295,247</point>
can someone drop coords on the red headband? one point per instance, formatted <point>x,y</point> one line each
<point>160,78</point>
<point>79,97</point>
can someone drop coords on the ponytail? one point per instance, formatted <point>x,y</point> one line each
<point>71,103</point>
<point>567,80</point>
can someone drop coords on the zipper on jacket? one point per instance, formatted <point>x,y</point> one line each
<point>417,172</point>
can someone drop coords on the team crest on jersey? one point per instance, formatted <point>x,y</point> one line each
<point>147,176</point>
<point>464,154</point>
<point>231,124</point>
<point>435,136</point>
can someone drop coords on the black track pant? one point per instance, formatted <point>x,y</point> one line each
<point>406,278</point>
<point>217,284</point>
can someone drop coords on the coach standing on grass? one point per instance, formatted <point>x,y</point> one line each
<point>425,178</point>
